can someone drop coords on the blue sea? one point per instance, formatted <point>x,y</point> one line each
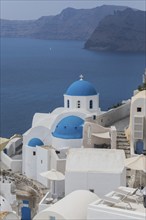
<point>36,73</point>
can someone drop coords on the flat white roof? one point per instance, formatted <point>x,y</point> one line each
<point>95,160</point>
<point>137,210</point>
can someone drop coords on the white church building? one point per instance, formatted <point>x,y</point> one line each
<point>60,129</point>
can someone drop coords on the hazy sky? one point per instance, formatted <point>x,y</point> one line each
<point>32,9</point>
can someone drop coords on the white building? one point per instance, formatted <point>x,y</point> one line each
<point>61,129</point>
<point>97,170</point>
<point>118,206</point>
<point>4,205</point>
<point>7,189</point>
<point>6,212</point>
<point>11,156</point>
<point>72,207</point>
<point>137,127</point>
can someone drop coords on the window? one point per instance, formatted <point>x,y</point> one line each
<point>78,104</point>
<point>67,103</point>
<point>91,104</point>
<point>91,190</point>
<point>139,147</point>
<point>5,151</point>
<point>34,153</point>
<point>139,109</point>
<point>94,117</point>
<point>41,161</point>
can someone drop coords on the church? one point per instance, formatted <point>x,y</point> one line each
<point>60,129</point>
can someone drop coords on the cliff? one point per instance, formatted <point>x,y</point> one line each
<point>123,31</point>
<point>70,24</point>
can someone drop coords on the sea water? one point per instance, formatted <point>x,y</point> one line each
<point>36,73</point>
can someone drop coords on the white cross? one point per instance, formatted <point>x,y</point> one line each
<point>81,77</point>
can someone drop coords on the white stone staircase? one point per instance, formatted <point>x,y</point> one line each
<point>123,144</point>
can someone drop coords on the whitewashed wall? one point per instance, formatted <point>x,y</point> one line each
<point>96,212</point>
<point>59,165</point>
<point>84,102</point>
<point>5,190</point>
<point>101,183</point>
<point>30,162</point>
<point>139,102</point>
<point>14,165</point>
<point>113,133</point>
<point>59,143</point>
<point>113,115</point>
<point>43,164</point>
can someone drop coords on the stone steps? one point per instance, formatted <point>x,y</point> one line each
<point>123,144</point>
<point>122,140</point>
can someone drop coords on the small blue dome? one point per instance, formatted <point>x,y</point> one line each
<point>81,88</point>
<point>35,142</point>
<point>70,127</point>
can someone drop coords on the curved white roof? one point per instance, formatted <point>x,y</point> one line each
<point>95,160</point>
<point>4,205</point>
<point>72,207</point>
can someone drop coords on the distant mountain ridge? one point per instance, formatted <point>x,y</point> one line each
<point>123,31</point>
<point>70,24</point>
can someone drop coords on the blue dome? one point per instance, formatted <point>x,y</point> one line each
<point>70,127</point>
<point>35,142</point>
<point>81,88</point>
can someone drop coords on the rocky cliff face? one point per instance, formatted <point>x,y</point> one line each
<point>70,24</point>
<point>123,31</point>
